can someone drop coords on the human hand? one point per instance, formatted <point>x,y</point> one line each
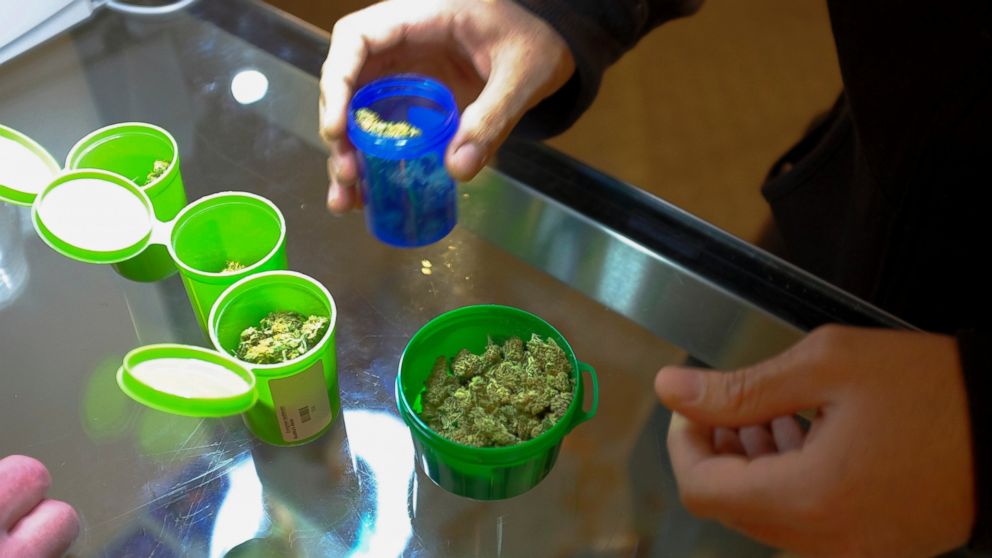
<point>885,469</point>
<point>32,526</point>
<point>498,59</point>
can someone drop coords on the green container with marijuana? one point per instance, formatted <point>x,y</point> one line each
<point>222,238</point>
<point>148,156</point>
<point>299,398</point>
<point>484,473</point>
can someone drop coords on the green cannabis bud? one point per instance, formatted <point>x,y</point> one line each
<point>233,266</point>
<point>158,169</point>
<point>280,336</point>
<point>371,122</point>
<point>509,394</point>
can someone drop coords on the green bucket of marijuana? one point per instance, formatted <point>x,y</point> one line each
<point>280,325</point>
<point>148,156</point>
<point>491,376</point>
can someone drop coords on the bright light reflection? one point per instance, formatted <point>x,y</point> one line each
<point>383,442</point>
<point>249,86</point>
<point>241,516</point>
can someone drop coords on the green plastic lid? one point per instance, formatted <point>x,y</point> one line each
<point>187,380</point>
<point>25,167</point>
<point>94,216</point>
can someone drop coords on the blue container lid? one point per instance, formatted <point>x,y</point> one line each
<point>418,100</point>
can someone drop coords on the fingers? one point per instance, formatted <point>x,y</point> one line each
<point>23,483</point>
<point>731,487</point>
<point>757,441</point>
<point>488,121</point>
<point>342,172</point>
<point>726,440</point>
<point>356,37</point>
<point>788,434</point>
<point>780,386</point>
<point>360,36</point>
<point>783,434</point>
<point>48,530</point>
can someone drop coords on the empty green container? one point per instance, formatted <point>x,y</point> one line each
<point>484,473</point>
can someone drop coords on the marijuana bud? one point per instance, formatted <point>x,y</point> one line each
<point>509,394</point>
<point>371,122</point>
<point>280,336</point>
<point>158,169</point>
<point>233,266</point>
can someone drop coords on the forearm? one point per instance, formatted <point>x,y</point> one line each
<point>598,32</point>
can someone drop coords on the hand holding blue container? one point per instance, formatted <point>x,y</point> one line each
<point>401,126</point>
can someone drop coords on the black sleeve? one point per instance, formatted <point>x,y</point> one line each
<point>598,32</point>
<point>976,364</point>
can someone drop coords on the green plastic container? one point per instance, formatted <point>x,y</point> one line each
<point>229,225</point>
<point>170,402</point>
<point>297,399</point>
<point>284,404</point>
<point>130,149</point>
<point>484,473</point>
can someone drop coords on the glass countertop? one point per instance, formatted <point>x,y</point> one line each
<point>632,282</point>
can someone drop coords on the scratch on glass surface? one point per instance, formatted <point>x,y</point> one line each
<point>414,485</point>
<point>499,536</point>
<point>185,443</point>
<point>199,480</point>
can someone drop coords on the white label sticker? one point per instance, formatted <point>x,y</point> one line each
<point>301,403</point>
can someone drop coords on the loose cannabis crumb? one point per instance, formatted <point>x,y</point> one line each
<point>279,337</point>
<point>158,169</point>
<point>371,122</point>
<point>233,266</point>
<point>509,394</point>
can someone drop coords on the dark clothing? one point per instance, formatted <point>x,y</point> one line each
<point>885,196</point>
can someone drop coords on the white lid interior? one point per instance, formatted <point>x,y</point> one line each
<point>189,377</point>
<point>25,167</point>
<point>94,214</point>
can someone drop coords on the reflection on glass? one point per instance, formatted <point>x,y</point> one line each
<point>107,413</point>
<point>241,516</point>
<point>621,275</point>
<point>249,86</point>
<point>13,265</point>
<point>169,438</point>
<point>382,442</point>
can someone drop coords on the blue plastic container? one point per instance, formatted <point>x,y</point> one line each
<point>409,198</point>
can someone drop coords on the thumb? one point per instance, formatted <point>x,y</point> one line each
<point>487,122</point>
<point>781,386</point>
